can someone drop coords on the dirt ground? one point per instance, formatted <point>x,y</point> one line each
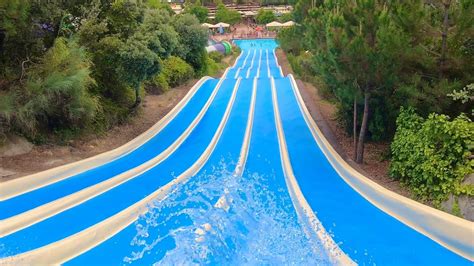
<point>374,167</point>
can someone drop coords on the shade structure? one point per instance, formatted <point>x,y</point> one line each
<point>249,13</point>
<point>274,24</point>
<point>222,24</point>
<point>207,25</point>
<point>289,24</point>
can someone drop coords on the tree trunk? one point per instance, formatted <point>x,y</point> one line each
<point>444,37</point>
<point>363,129</point>
<point>138,99</point>
<point>354,128</point>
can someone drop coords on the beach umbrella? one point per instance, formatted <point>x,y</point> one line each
<point>274,24</point>
<point>207,25</point>
<point>289,24</point>
<point>222,24</point>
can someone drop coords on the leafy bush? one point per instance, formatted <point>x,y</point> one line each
<point>57,92</point>
<point>212,67</point>
<point>216,56</point>
<point>192,41</point>
<point>223,14</point>
<point>432,156</point>
<point>265,16</point>
<point>199,11</point>
<point>177,71</point>
<point>158,84</point>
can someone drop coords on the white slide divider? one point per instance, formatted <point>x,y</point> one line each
<point>251,64</point>
<point>248,133</point>
<point>307,217</point>
<point>243,65</point>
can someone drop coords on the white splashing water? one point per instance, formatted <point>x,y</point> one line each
<point>219,218</point>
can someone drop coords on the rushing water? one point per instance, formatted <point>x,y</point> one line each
<point>220,218</point>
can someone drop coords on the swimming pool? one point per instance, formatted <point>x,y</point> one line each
<point>237,173</point>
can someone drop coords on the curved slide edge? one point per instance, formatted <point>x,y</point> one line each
<point>38,214</point>
<point>239,168</point>
<point>453,233</point>
<point>66,249</point>
<point>29,183</point>
<point>305,214</point>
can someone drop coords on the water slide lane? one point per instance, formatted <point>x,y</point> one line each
<point>159,222</point>
<point>238,68</point>
<point>275,70</point>
<point>143,153</point>
<point>242,73</point>
<point>253,70</point>
<point>65,224</point>
<point>370,231</point>
<point>238,63</point>
<point>264,161</point>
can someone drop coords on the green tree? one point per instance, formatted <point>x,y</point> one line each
<point>198,10</point>
<point>57,93</point>
<point>139,63</point>
<point>192,41</point>
<point>265,16</point>
<point>230,16</point>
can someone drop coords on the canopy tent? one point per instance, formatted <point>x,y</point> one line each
<point>207,25</point>
<point>248,13</point>
<point>222,24</point>
<point>289,24</point>
<point>274,24</point>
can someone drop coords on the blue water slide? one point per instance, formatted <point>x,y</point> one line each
<point>237,174</point>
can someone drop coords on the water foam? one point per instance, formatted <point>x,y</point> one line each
<point>220,218</point>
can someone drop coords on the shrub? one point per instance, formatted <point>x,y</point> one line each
<point>56,93</point>
<point>216,56</point>
<point>177,71</point>
<point>230,16</point>
<point>265,16</point>
<point>158,84</point>
<point>212,67</point>
<point>432,156</point>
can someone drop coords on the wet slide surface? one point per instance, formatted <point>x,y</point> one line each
<point>234,175</point>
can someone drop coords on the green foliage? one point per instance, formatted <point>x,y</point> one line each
<point>285,17</point>
<point>158,84</point>
<point>223,14</point>
<point>121,45</point>
<point>432,156</point>
<point>216,56</point>
<point>390,52</point>
<point>290,40</point>
<point>199,11</point>
<point>212,68</point>
<point>265,16</point>
<point>192,41</point>
<point>57,92</point>
<point>157,4</point>
<point>177,71</point>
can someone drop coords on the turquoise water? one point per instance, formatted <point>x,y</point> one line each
<point>269,44</point>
